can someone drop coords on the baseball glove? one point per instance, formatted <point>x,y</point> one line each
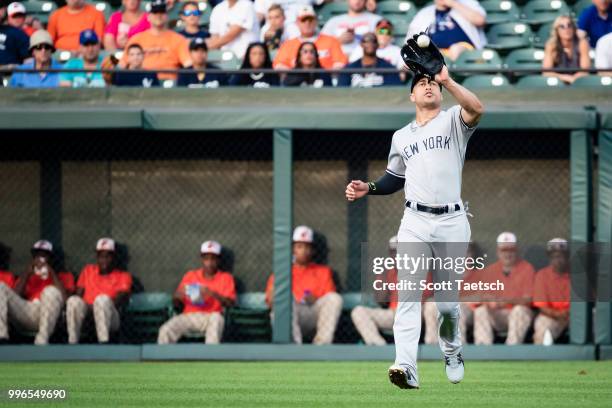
<point>425,61</point>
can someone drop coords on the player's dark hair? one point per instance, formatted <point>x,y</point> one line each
<point>417,78</point>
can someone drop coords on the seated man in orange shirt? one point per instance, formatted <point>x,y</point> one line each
<point>508,310</point>
<point>317,305</point>
<point>163,48</point>
<point>67,23</point>
<point>38,296</point>
<point>329,48</point>
<point>369,320</point>
<point>102,289</point>
<point>551,294</point>
<point>205,293</point>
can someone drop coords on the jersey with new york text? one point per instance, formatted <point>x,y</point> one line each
<point>431,157</point>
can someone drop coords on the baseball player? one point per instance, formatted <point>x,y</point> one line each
<point>426,159</point>
<point>205,293</point>
<point>100,290</point>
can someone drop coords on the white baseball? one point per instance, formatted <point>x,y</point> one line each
<point>423,41</point>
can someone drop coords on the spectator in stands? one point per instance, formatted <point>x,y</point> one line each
<point>369,320</point>
<point>90,58</point>
<point>41,47</point>
<point>233,26</point>
<point>369,43</point>
<point>386,49</point>
<point>351,27</point>
<point>564,49</point>
<point>453,25</point>
<point>551,295</point>
<point>308,58</point>
<point>329,48</point>
<point>14,43</point>
<point>317,305</point>
<point>7,279</point>
<point>205,293</point>
<point>124,24</point>
<point>276,30</point>
<point>130,75</point>
<point>291,8</point>
<point>603,54</point>
<point>371,6</point>
<point>101,290</point>
<point>509,309</point>
<point>163,48</point>
<point>256,57</point>
<point>17,17</point>
<point>38,296</point>
<point>470,300</point>
<point>190,15</point>
<point>595,21</point>
<point>202,79</point>
<point>68,22</point>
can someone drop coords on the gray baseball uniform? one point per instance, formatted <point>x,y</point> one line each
<point>430,158</point>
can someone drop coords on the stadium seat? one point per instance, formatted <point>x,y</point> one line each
<point>144,315</point>
<point>486,60</point>
<point>593,81</point>
<point>223,59</point>
<point>500,11</point>
<point>580,5</point>
<point>539,81</point>
<point>508,36</point>
<point>486,82</point>
<point>406,9</point>
<point>250,319</point>
<point>206,10</point>
<point>543,34</point>
<point>104,7</point>
<point>400,25</point>
<point>62,55</point>
<point>524,58</point>
<point>350,300</point>
<point>331,9</point>
<point>40,9</point>
<point>543,11</point>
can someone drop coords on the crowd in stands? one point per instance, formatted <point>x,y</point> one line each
<point>36,298</point>
<point>265,34</point>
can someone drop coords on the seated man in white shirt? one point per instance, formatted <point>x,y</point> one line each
<point>603,54</point>
<point>233,26</point>
<point>349,28</point>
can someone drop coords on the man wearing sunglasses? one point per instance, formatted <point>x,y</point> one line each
<point>14,43</point>
<point>386,49</point>
<point>41,47</point>
<point>190,16</point>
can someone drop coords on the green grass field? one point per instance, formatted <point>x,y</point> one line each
<point>291,384</point>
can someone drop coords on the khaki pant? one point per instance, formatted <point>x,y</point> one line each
<point>430,316</point>
<point>543,323</point>
<point>321,316</point>
<point>209,324</point>
<point>368,321</point>
<point>40,315</point>
<point>515,321</point>
<point>106,317</point>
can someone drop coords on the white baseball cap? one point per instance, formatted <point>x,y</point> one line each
<point>210,247</point>
<point>306,11</point>
<point>105,244</point>
<point>303,234</point>
<point>393,242</point>
<point>506,239</point>
<point>556,244</point>
<point>43,244</point>
<point>15,8</point>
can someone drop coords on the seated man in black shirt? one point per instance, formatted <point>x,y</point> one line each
<point>201,79</point>
<point>129,76</point>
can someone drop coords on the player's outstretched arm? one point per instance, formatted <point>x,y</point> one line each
<point>472,108</point>
<point>387,184</point>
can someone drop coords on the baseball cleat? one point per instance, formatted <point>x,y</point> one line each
<point>402,378</point>
<point>454,368</point>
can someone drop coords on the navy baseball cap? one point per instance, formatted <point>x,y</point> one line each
<point>417,78</point>
<point>88,37</point>
<point>198,43</point>
<point>158,6</point>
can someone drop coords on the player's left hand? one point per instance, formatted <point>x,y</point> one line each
<point>443,76</point>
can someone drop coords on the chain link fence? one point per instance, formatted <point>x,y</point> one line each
<point>161,194</point>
